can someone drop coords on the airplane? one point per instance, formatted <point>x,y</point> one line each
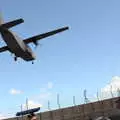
<point>16,45</point>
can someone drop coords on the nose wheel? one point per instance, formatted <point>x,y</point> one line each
<point>15,58</point>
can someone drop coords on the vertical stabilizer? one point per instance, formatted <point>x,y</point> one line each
<point>1,19</point>
<point>11,23</point>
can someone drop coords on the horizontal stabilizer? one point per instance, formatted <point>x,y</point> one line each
<point>3,49</point>
<point>44,35</point>
<point>12,23</point>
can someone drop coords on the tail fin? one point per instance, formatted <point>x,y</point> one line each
<point>1,19</point>
<point>11,23</point>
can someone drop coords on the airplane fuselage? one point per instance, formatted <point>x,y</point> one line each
<point>16,45</point>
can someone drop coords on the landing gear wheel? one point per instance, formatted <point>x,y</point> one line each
<point>32,62</point>
<point>15,58</point>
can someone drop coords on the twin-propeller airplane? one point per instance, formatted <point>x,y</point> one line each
<point>20,47</point>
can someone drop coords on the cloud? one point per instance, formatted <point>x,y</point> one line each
<point>46,87</point>
<point>45,93</point>
<point>45,96</point>
<point>31,104</point>
<point>112,88</point>
<point>2,117</point>
<point>37,101</point>
<point>40,99</point>
<point>114,83</point>
<point>15,91</point>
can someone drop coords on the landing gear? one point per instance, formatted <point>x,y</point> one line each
<point>15,58</point>
<point>32,62</point>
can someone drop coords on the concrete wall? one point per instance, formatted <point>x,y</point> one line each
<point>81,112</point>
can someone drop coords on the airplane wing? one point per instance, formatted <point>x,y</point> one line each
<point>3,49</point>
<point>34,39</point>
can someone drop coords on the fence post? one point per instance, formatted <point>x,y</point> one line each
<point>58,101</point>
<point>74,101</point>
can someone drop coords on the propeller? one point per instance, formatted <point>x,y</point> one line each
<point>36,43</point>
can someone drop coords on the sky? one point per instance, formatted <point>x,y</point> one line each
<point>87,56</point>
